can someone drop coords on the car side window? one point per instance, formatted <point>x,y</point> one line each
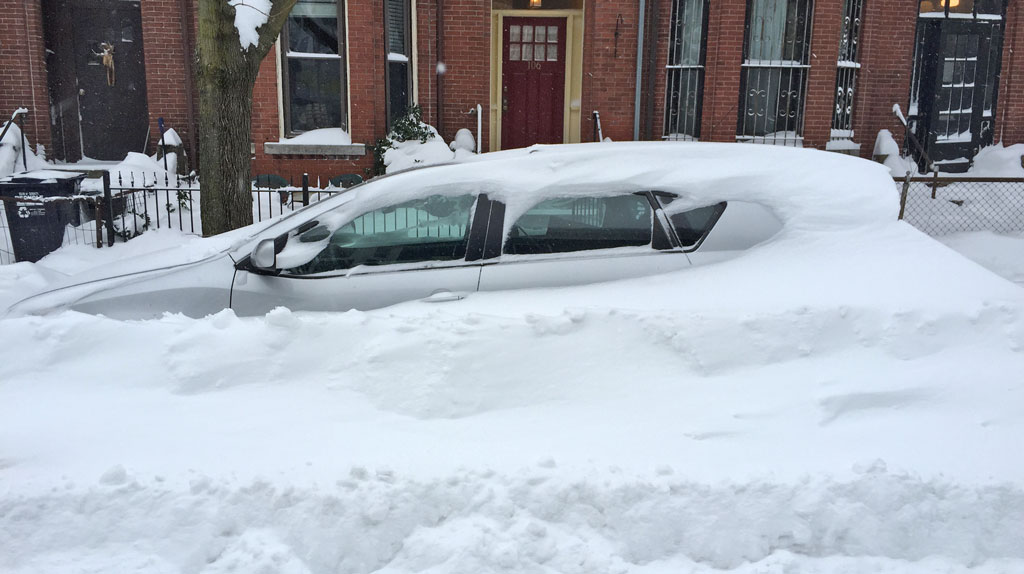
<point>693,225</point>
<point>434,228</point>
<point>580,224</point>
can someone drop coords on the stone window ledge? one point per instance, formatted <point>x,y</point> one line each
<point>278,148</point>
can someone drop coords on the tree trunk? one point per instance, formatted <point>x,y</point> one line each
<point>226,76</point>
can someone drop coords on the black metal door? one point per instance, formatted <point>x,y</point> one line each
<point>111,77</point>
<point>958,88</point>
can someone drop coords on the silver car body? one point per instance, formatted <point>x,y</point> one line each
<point>504,194</point>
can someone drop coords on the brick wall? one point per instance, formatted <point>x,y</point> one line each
<point>1009,127</point>
<point>168,61</point>
<point>23,73</point>
<point>609,67</point>
<point>821,78</point>
<point>726,22</point>
<point>609,74</point>
<point>886,56</point>
<point>467,59</point>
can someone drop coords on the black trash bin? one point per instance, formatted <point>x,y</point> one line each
<point>37,228</point>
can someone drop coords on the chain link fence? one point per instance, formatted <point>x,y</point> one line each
<point>945,205</point>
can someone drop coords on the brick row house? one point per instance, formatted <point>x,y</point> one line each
<point>96,74</point>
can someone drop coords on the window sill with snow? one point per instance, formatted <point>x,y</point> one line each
<point>323,142</point>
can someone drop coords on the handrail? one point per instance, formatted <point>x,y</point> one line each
<point>19,114</point>
<point>913,138</point>
<point>7,126</point>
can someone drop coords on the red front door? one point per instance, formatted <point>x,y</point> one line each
<point>533,81</point>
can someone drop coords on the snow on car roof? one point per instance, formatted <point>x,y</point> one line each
<point>806,188</point>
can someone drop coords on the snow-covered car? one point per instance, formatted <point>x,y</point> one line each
<point>539,217</point>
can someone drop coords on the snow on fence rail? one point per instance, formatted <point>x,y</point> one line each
<point>945,205</point>
<point>136,203</point>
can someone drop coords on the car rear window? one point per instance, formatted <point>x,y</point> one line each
<point>580,224</point>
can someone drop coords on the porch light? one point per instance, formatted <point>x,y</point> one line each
<point>537,3</point>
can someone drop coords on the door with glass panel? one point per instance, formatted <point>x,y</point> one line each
<point>533,81</point>
<point>954,90</point>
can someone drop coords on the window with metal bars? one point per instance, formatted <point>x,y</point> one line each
<point>313,71</point>
<point>776,59</point>
<point>399,41</point>
<point>684,86</point>
<point>846,70</point>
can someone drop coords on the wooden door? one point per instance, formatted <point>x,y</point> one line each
<point>111,77</point>
<point>533,81</point>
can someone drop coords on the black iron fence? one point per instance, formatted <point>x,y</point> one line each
<point>944,205</point>
<point>121,206</point>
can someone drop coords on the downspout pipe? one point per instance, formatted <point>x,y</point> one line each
<point>186,51</point>
<point>652,56</point>
<point>440,66</point>
<point>639,68</point>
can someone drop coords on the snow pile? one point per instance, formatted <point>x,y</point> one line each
<point>897,164</point>
<point>844,399</point>
<point>249,16</point>
<point>464,141</point>
<point>323,136</point>
<point>415,153</point>
<point>170,137</point>
<point>1001,254</point>
<point>137,171</point>
<point>407,154</point>
<point>999,161</point>
<point>809,189</point>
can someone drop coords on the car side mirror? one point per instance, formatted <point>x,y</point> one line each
<point>264,256</point>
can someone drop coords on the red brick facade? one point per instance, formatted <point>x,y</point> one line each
<point>608,79</point>
<point>23,73</point>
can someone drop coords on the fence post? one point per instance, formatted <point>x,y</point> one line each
<point>98,220</point>
<point>109,202</point>
<point>903,195</point>
<point>935,181</point>
<point>305,189</point>
<point>24,152</point>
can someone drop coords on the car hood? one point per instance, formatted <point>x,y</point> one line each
<point>66,291</point>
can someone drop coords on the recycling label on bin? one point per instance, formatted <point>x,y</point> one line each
<point>26,210</point>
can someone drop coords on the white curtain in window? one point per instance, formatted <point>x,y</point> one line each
<point>315,9</point>
<point>767,29</point>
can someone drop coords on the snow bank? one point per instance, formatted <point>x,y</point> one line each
<point>897,164</point>
<point>464,140</point>
<point>807,188</point>
<point>999,161</point>
<point>249,16</point>
<point>404,155</point>
<point>842,400</point>
<point>375,521</point>
<point>1001,254</point>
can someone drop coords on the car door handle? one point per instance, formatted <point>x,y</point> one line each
<point>443,296</point>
